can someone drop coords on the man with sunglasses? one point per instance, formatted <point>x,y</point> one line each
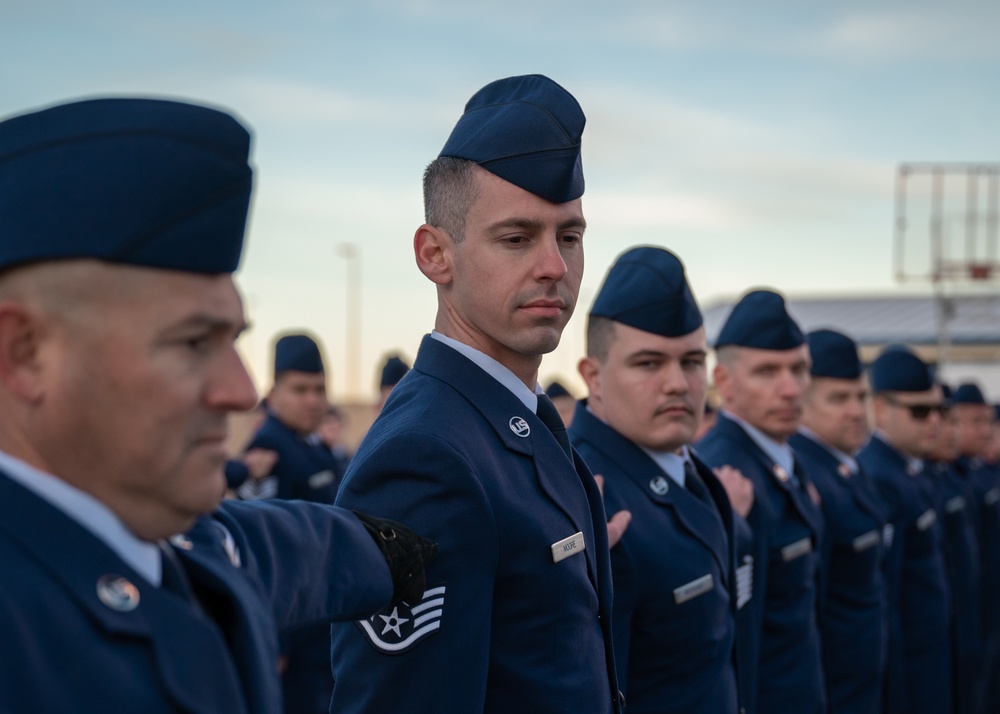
<point>908,407</point>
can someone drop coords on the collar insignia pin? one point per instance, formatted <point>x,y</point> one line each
<point>519,426</point>
<point>659,485</point>
<point>117,593</point>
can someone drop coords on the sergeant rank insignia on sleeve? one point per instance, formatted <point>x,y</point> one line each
<point>397,628</point>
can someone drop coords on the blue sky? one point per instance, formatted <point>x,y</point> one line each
<point>759,141</point>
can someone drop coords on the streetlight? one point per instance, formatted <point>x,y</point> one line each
<point>352,347</point>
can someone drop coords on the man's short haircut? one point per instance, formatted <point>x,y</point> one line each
<point>449,191</point>
<point>600,335</point>
<point>727,354</point>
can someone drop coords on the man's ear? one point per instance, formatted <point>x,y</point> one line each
<point>720,375</point>
<point>590,369</point>
<point>433,248</point>
<point>21,333</point>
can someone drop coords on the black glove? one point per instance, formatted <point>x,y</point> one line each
<point>406,554</point>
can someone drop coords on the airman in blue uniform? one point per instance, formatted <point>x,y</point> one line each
<point>853,614</point>
<point>908,407</point>
<point>974,419</point>
<point>761,375</point>
<point>517,615</point>
<point>955,504</point>
<point>126,586</point>
<point>675,584</point>
<point>305,469</point>
<point>393,370</point>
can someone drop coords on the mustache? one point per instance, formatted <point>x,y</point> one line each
<point>676,404</point>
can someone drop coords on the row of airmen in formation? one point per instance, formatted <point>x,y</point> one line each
<point>795,559</point>
<point>782,555</point>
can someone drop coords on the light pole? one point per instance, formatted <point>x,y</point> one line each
<point>352,347</point>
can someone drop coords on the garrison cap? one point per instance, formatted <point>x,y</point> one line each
<point>393,371</point>
<point>946,393</point>
<point>297,352</point>
<point>556,390</point>
<point>145,182</point>
<point>833,355</point>
<point>897,369</point>
<point>760,320</point>
<point>646,289</point>
<point>527,131</point>
<point>968,393</point>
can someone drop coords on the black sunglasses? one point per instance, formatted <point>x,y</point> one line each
<point>918,411</point>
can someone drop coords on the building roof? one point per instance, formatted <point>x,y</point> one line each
<point>914,320</point>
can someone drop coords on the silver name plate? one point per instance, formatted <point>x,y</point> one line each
<point>866,541</point>
<point>927,519</point>
<point>567,547</point>
<point>796,549</point>
<point>693,589</point>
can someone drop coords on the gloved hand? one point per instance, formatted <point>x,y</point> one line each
<point>406,553</point>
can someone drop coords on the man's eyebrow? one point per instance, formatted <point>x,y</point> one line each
<point>531,224</point>
<point>214,323</point>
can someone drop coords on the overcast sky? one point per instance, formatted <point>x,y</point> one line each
<point>759,141</point>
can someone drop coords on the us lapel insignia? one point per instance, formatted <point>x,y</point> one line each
<point>659,485</point>
<point>780,473</point>
<point>117,593</point>
<point>844,470</point>
<point>519,426</point>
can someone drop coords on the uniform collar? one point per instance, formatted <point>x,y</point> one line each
<point>142,556</point>
<point>780,454</point>
<point>844,458</point>
<point>913,464</point>
<point>493,368</point>
<point>671,462</point>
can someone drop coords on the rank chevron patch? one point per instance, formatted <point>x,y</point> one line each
<point>396,629</point>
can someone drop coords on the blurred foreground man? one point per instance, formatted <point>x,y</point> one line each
<point>908,408</point>
<point>122,220</point>
<point>675,600</point>
<point>517,615</point>
<point>852,614</point>
<point>761,375</point>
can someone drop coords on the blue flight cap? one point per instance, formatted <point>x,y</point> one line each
<point>897,369</point>
<point>297,352</point>
<point>144,182</point>
<point>527,131</point>
<point>556,390</point>
<point>946,394</point>
<point>393,371</point>
<point>968,393</point>
<point>760,320</point>
<point>833,355</point>
<point>646,289</point>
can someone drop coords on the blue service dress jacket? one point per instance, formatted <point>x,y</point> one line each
<point>778,647</point>
<point>517,615</point>
<point>305,468</point>
<point>853,614</point>
<point>919,666</point>
<point>80,631</point>
<point>675,601</point>
<point>955,502</point>
<point>984,481</point>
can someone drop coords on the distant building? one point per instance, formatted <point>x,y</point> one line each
<point>973,329</point>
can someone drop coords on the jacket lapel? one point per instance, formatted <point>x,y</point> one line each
<point>192,660</point>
